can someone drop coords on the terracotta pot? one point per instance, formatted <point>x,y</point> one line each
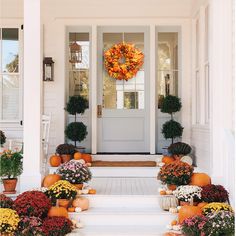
<point>63,203</point>
<point>172,187</point>
<point>183,203</point>
<point>9,185</point>
<point>79,186</point>
<point>65,158</point>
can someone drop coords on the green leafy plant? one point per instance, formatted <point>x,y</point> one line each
<point>11,164</point>
<point>76,131</point>
<point>171,129</point>
<point>65,149</point>
<point>76,105</point>
<point>2,138</point>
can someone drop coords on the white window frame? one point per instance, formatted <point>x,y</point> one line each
<point>16,122</point>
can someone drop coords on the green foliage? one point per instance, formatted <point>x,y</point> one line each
<point>11,164</point>
<point>179,148</point>
<point>76,131</point>
<point>65,149</point>
<point>172,129</point>
<point>76,105</point>
<point>171,104</point>
<point>2,137</point>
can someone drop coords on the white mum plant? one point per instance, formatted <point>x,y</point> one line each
<point>188,193</point>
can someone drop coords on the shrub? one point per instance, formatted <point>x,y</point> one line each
<point>56,226</point>
<point>32,203</point>
<point>177,172</point>
<point>76,131</point>
<point>171,104</point>
<point>6,202</point>
<point>74,172</point>
<point>172,129</point>
<point>67,149</point>
<point>76,105</point>
<point>214,193</point>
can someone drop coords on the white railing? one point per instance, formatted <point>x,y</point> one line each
<point>229,164</point>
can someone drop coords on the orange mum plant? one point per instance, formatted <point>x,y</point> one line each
<point>123,61</point>
<point>177,173</point>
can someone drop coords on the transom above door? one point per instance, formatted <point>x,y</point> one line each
<point>123,106</point>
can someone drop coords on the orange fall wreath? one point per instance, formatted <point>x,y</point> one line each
<point>123,61</point>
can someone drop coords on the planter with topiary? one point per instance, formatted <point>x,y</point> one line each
<point>171,129</point>
<point>76,131</point>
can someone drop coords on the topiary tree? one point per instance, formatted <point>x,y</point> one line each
<point>2,138</point>
<point>76,131</point>
<point>171,129</point>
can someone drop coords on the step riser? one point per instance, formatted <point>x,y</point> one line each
<point>120,201</point>
<point>126,157</point>
<point>124,220</point>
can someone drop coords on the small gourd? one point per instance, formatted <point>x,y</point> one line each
<point>173,210</point>
<point>81,202</point>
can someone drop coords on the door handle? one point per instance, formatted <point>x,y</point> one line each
<point>99,111</point>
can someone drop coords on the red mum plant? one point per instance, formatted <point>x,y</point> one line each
<point>6,202</point>
<point>29,226</point>
<point>177,172</point>
<point>56,226</point>
<point>32,203</point>
<point>214,193</point>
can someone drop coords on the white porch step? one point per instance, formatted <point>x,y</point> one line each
<point>119,171</point>
<point>124,217</point>
<point>119,201</point>
<point>120,231</point>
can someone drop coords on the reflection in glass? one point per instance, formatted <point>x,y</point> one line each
<point>10,97</point>
<point>79,72</point>
<point>10,50</point>
<point>123,94</point>
<point>167,65</point>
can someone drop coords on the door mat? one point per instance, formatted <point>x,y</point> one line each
<point>124,163</point>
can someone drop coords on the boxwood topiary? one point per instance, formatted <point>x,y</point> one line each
<point>76,131</point>
<point>172,129</point>
<point>171,104</point>
<point>2,138</point>
<point>76,105</point>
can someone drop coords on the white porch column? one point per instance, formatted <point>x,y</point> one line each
<point>31,176</point>
<point>221,87</point>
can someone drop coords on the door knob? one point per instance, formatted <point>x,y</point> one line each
<point>99,111</point>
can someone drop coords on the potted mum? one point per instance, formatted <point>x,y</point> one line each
<point>75,172</point>
<point>11,166</point>
<point>66,151</point>
<point>188,194</point>
<point>175,174</point>
<point>61,193</point>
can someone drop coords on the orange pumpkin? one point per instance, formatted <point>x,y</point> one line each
<point>55,161</point>
<point>71,209</point>
<point>92,191</point>
<point>50,180</point>
<point>188,211</point>
<point>174,222</point>
<point>200,179</point>
<point>163,192</point>
<point>81,202</point>
<point>78,156</point>
<point>202,204</point>
<point>167,159</point>
<point>87,157</point>
<point>58,211</point>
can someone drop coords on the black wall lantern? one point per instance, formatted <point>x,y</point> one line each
<point>48,69</point>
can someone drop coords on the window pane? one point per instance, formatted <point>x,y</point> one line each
<point>10,97</point>
<point>167,65</point>
<point>10,50</point>
<point>79,72</point>
<point>123,94</point>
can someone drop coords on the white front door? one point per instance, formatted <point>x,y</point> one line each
<point>123,126</point>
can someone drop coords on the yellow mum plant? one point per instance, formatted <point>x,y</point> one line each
<point>62,189</point>
<point>9,220</point>
<point>215,207</point>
